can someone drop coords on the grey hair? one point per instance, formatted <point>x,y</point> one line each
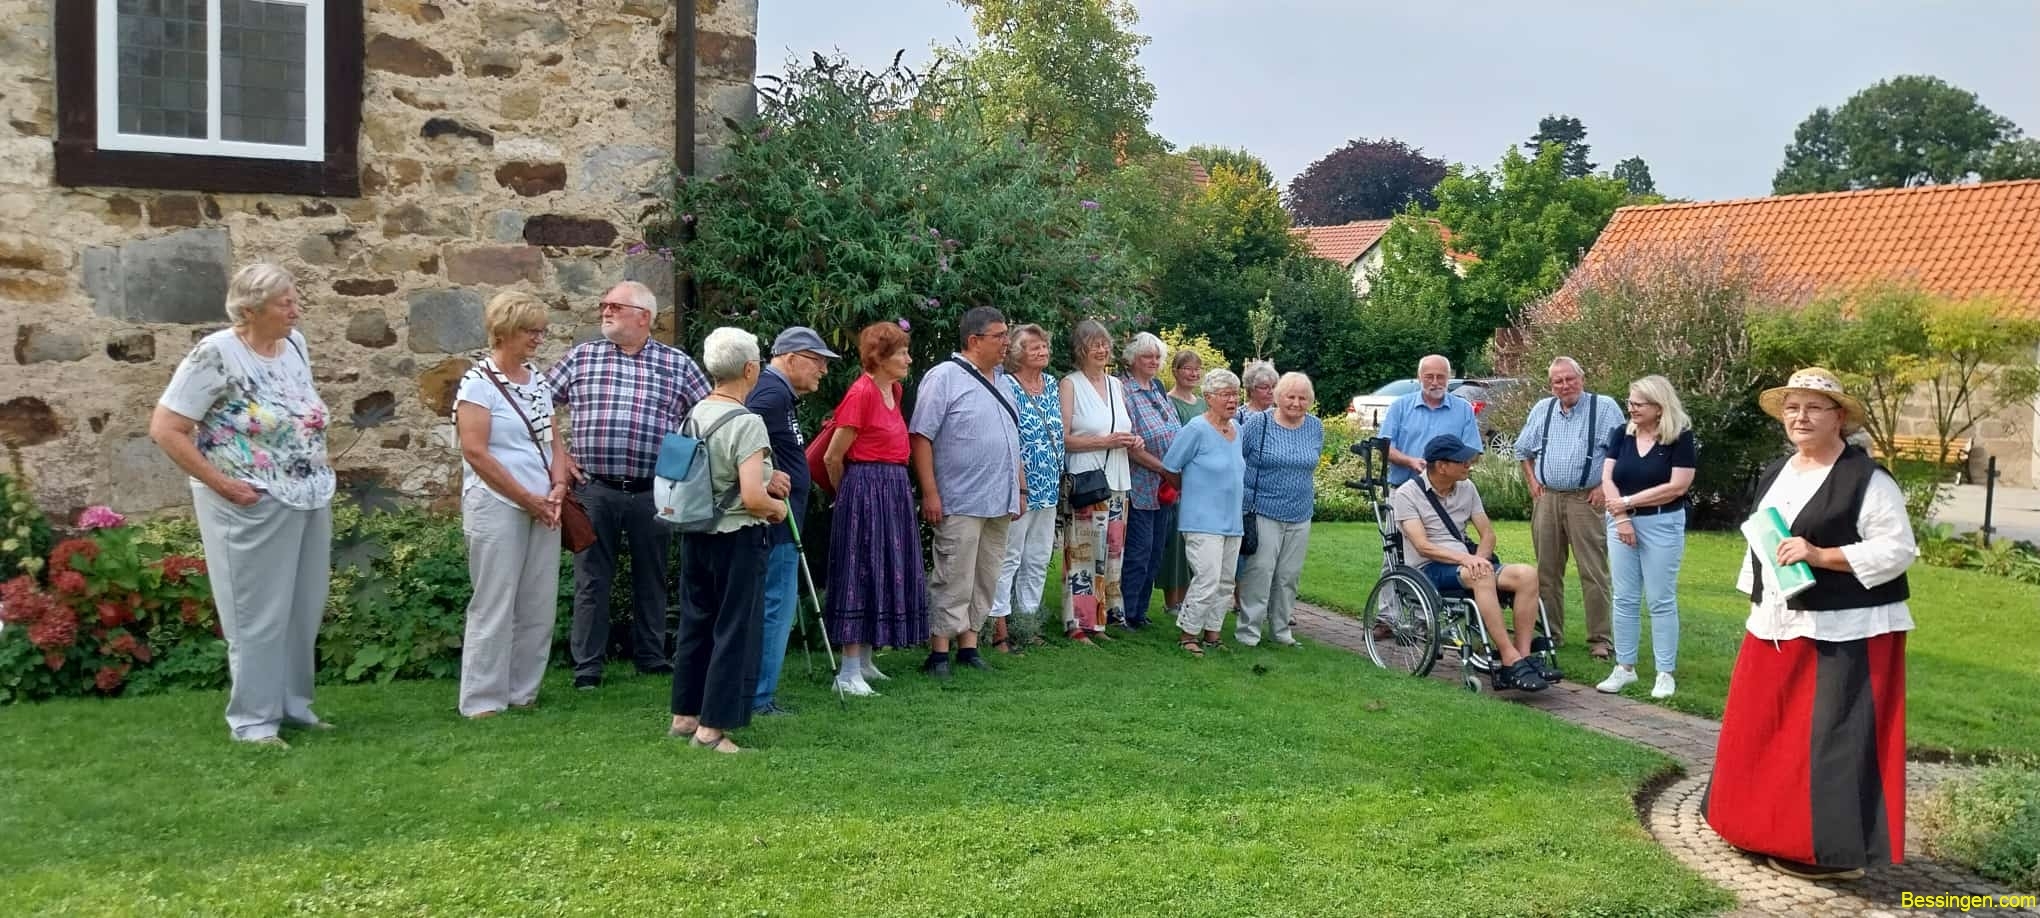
<point>1219,380</point>
<point>1567,361</point>
<point>253,287</point>
<point>1441,358</point>
<point>1293,379</point>
<point>1257,372</point>
<point>726,352</point>
<point>1016,345</point>
<point>975,320</point>
<point>1141,345</point>
<point>638,295</point>
<point>1084,334</point>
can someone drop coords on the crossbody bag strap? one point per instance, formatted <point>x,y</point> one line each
<point>1261,455</point>
<point>489,370</point>
<point>982,381</point>
<point>1450,526</point>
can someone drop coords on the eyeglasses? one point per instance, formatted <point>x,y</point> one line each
<point>1637,404</point>
<point>537,330</point>
<point>610,304</point>
<point>999,335</point>
<point>1806,411</point>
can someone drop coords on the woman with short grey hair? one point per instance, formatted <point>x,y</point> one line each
<point>1282,448</point>
<point>722,581</point>
<point>1257,387</point>
<point>1206,457</point>
<point>1151,521</point>
<point>243,419</point>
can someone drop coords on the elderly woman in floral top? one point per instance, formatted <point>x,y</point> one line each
<point>1024,573</point>
<point>242,419</point>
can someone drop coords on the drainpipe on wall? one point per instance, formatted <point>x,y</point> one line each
<point>683,149</point>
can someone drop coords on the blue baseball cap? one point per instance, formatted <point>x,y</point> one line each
<point>1449,448</point>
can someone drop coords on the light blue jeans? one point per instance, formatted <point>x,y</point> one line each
<point>1649,569</point>
<point>782,595</point>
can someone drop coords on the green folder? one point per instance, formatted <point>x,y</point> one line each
<point>1765,530</point>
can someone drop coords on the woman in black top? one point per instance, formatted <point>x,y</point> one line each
<point>1644,480</point>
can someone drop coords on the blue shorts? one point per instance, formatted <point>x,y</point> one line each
<point>1446,576</point>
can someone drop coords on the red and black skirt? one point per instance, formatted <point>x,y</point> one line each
<point>1811,762</point>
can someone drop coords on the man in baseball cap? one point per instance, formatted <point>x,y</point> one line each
<point>799,358</point>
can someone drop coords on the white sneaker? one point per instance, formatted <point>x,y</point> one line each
<point>1618,680</point>
<point>870,671</point>
<point>1664,687</point>
<point>855,687</point>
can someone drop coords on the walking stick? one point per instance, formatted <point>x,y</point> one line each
<point>814,597</point>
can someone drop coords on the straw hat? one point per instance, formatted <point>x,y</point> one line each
<point>1818,381</point>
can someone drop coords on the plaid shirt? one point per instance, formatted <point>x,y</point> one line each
<point>621,406</point>
<point>1154,419</point>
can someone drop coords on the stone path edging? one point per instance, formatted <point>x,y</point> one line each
<point>1672,814</point>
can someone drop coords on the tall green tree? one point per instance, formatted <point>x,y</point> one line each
<point>1407,312</point>
<point>1364,180</point>
<point>1635,173</point>
<point>1063,73</point>
<point>1900,132</point>
<point>2013,159</point>
<point>1529,222</point>
<point>1237,159</point>
<point>1232,231</point>
<point>1570,135</point>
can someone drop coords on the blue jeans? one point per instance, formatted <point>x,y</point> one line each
<point>1146,540</point>
<point>1650,569</point>
<point>782,597</point>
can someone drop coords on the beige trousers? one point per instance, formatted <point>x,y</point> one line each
<point>965,579</point>
<point>1562,521</point>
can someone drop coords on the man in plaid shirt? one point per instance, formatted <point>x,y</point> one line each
<point>624,393</point>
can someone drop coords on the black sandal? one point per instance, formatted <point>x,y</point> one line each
<point>1189,642</point>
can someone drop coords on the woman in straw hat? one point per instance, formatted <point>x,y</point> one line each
<point>1810,766</point>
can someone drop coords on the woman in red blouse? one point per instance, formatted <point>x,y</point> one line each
<point>876,595</point>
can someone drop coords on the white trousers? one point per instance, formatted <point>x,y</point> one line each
<point>514,566</point>
<point>1268,588</point>
<point>1213,558</point>
<point>270,568</point>
<point>1023,575</point>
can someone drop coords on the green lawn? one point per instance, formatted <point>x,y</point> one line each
<point>1972,667</point>
<point>1124,779</point>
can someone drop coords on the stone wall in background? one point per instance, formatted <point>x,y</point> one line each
<point>504,144</point>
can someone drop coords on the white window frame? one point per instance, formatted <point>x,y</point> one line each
<point>107,64</point>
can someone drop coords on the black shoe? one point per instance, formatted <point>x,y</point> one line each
<point>587,683</point>
<point>1521,675</point>
<point>656,669</point>
<point>975,662</point>
<point>1134,624</point>
<point>939,668</point>
<point>772,709</point>
<point>1550,673</point>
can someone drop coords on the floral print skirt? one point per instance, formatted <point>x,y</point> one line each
<point>1094,550</point>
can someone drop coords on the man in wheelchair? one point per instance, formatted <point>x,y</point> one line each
<point>1432,511</point>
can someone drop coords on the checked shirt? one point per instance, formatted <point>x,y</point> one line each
<point>621,406</point>
<point>1154,419</point>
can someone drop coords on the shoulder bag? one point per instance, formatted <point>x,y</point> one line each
<point>1250,533</point>
<point>577,531</point>
<point>1089,488</point>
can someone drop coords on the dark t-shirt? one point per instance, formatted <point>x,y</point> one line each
<point>773,400</point>
<point>1635,473</point>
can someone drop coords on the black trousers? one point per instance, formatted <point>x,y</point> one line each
<point>621,518</point>
<point>722,625</point>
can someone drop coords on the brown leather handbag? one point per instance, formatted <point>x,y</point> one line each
<point>577,531</point>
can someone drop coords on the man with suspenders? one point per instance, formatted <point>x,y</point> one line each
<point>1561,447</point>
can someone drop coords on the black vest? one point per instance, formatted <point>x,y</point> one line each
<point>1829,520</point>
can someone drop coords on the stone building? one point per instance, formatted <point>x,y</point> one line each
<point>406,159</point>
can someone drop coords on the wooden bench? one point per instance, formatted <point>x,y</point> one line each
<point>1928,449</point>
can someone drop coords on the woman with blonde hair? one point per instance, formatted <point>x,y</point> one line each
<point>510,511</point>
<point>1644,480</point>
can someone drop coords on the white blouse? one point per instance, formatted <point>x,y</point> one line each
<point>1092,416</point>
<point>1885,552</point>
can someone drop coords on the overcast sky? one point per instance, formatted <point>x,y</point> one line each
<point>1708,93</point>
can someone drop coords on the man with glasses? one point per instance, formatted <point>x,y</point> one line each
<point>624,393</point>
<point>799,359</point>
<point>966,455</point>
<point>1560,449</point>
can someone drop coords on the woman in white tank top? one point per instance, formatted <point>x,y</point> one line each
<point>1097,433</point>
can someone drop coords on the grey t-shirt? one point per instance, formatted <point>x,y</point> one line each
<point>737,441</point>
<point>1409,503</point>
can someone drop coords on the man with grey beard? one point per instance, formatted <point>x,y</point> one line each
<point>624,393</point>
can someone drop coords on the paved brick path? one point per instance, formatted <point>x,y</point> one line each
<point>1673,816</point>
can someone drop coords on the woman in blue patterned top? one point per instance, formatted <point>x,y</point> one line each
<point>1024,573</point>
<point>1282,447</point>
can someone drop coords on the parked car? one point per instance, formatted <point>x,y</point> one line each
<point>1482,393</point>
<point>1365,411</point>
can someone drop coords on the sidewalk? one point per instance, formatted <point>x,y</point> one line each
<point>2015,512</point>
<point>1673,816</point>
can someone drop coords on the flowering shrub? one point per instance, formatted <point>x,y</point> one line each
<point>24,534</point>
<point>96,619</point>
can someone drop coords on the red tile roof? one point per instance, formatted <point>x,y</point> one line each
<point>1342,244</point>
<point>1198,175</point>
<point>1958,241</point>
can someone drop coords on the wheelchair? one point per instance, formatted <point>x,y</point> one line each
<point>1423,623</point>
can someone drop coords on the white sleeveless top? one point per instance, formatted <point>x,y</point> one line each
<point>1091,416</point>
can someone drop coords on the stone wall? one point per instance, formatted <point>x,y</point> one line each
<point>504,143</point>
<point>2012,436</point>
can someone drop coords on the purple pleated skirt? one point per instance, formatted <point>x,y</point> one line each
<point>877,594</point>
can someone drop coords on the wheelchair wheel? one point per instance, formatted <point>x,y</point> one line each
<point>1407,605</point>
